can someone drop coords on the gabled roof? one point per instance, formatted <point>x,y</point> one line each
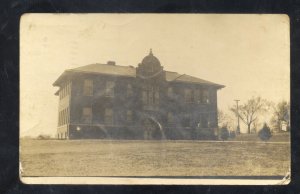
<point>130,71</point>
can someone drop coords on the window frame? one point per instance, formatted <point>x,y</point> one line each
<point>88,87</point>
<point>86,118</point>
<point>188,95</point>
<point>108,118</point>
<point>205,96</point>
<point>110,88</point>
<point>129,117</point>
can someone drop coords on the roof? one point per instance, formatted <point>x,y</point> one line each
<point>176,77</point>
<point>107,69</point>
<point>130,71</point>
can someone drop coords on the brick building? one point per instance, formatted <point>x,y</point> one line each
<point>124,102</point>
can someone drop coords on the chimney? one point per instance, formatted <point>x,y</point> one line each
<point>111,63</point>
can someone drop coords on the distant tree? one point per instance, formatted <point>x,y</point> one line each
<point>224,133</point>
<point>265,133</point>
<point>281,113</point>
<point>254,126</point>
<point>225,119</point>
<point>249,111</point>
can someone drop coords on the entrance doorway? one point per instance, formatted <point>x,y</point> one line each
<point>152,129</point>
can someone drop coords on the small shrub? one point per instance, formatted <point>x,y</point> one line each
<point>43,137</point>
<point>232,134</point>
<point>238,130</point>
<point>224,133</point>
<point>265,133</point>
<point>205,134</point>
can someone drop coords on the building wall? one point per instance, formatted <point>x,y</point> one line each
<point>187,117</point>
<point>64,110</point>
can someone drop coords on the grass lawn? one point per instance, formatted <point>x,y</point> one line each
<point>153,158</point>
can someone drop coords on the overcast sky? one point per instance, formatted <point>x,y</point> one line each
<point>249,54</point>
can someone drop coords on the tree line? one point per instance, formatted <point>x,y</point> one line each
<point>251,111</point>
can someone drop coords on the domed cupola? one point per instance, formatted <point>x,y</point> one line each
<point>150,66</point>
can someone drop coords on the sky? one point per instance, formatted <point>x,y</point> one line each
<point>249,54</point>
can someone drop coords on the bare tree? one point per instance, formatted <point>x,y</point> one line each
<point>224,119</point>
<point>281,113</point>
<point>221,118</point>
<point>254,126</point>
<point>250,110</point>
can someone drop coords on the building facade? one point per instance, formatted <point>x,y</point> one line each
<point>123,102</point>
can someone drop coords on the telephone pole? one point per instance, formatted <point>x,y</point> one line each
<point>238,117</point>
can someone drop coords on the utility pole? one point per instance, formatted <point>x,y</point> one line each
<point>238,117</point>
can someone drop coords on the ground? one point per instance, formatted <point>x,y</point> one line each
<point>154,158</point>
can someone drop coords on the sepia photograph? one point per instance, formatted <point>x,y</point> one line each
<point>175,99</point>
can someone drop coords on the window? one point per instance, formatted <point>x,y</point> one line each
<point>197,96</point>
<point>204,121</point>
<point>129,116</point>
<point>144,97</point>
<point>150,95</point>
<point>88,87</point>
<point>188,95</point>
<point>61,92</point>
<point>129,90</point>
<point>64,116</point>
<point>109,90</point>
<point>64,90</point>
<point>205,97</point>
<point>156,97</point>
<point>68,116</point>
<point>108,119</point>
<point>59,118</point>
<point>68,88</point>
<point>87,115</point>
<point>186,120</point>
<point>170,92</point>
<point>170,117</point>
